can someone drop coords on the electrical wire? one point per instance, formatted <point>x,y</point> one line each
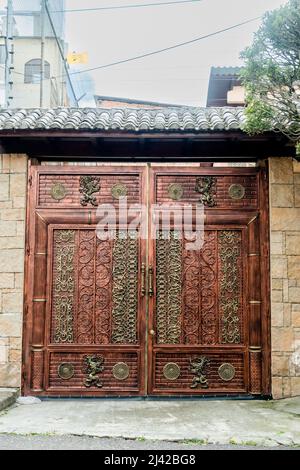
<point>122,7</point>
<point>165,49</point>
<point>61,52</point>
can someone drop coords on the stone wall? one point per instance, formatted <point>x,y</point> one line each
<point>13,181</point>
<point>285,274</point>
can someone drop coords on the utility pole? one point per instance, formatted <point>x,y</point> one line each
<point>42,77</point>
<point>9,53</point>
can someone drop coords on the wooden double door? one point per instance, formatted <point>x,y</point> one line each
<point>129,308</point>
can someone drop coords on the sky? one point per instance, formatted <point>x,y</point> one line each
<point>179,76</point>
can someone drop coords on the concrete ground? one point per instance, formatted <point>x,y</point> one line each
<point>198,422</point>
<point>29,442</point>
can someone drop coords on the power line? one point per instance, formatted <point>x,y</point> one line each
<point>61,52</point>
<point>122,7</point>
<point>165,49</point>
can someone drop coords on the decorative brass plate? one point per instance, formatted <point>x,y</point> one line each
<point>121,371</point>
<point>58,191</point>
<point>66,370</point>
<point>226,372</point>
<point>175,191</point>
<point>119,190</point>
<point>171,371</point>
<point>236,191</point>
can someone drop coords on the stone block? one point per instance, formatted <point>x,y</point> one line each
<point>277,314</point>
<point>277,387</point>
<point>293,244</point>
<point>19,281</point>
<point>3,350</point>
<point>277,249</point>
<point>13,214</point>
<point>286,387</point>
<point>17,185</point>
<point>280,366</point>
<point>15,343</point>
<point>296,315</point>
<point>285,219</point>
<point>15,355</point>
<point>294,294</point>
<point>281,170</point>
<point>277,296</point>
<point>276,237</point>
<point>296,166</point>
<point>12,302</point>
<point>282,195</point>
<point>294,267</point>
<point>10,375</point>
<point>297,195</point>
<point>283,339</point>
<point>295,386</point>
<point>19,202</point>
<point>277,284</point>
<point>18,163</point>
<point>4,187</point>
<point>10,325</point>
<point>12,261</point>
<point>12,242</point>
<point>7,281</point>
<point>20,228</point>
<point>8,228</point>
<point>278,266</point>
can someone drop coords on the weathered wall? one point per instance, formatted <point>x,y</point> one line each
<point>13,178</point>
<point>285,273</point>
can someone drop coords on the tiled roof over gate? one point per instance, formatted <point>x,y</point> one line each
<point>125,120</point>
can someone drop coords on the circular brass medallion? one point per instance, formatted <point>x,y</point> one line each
<point>175,191</point>
<point>58,191</point>
<point>226,372</point>
<point>120,371</point>
<point>118,190</point>
<point>236,191</point>
<point>66,371</point>
<point>171,371</point>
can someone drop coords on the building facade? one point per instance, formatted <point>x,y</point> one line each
<point>133,316</point>
<point>24,57</point>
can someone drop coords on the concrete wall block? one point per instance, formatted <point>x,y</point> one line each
<point>10,374</point>
<point>12,261</point>
<point>281,170</point>
<point>282,195</point>
<point>10,325</point>
<point>4,187</point>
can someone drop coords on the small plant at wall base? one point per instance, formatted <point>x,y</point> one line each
<point>272,75</point>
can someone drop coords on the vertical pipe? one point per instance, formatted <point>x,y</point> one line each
<point>8,47</point>
<point>42,77</point>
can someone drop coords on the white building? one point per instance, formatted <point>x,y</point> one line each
<point>25,46</point>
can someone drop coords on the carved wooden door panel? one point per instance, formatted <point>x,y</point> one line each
<point>85,313</point>
<point>208,316</point>
<point>123,315</point>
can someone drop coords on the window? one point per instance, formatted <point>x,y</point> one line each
<point>33,71</point>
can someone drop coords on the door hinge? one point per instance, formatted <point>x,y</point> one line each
<point>30,180</point>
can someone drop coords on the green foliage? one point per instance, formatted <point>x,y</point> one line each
<point>272,74</point>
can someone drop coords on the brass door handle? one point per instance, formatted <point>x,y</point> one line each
<point>150,274</point>
<point>143,273</point>
<point>152,332</point>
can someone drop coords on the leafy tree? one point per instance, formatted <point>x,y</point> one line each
<point>272,74</point>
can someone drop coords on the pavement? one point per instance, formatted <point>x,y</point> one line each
<point>29,442</point>
<point>249,423</point>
